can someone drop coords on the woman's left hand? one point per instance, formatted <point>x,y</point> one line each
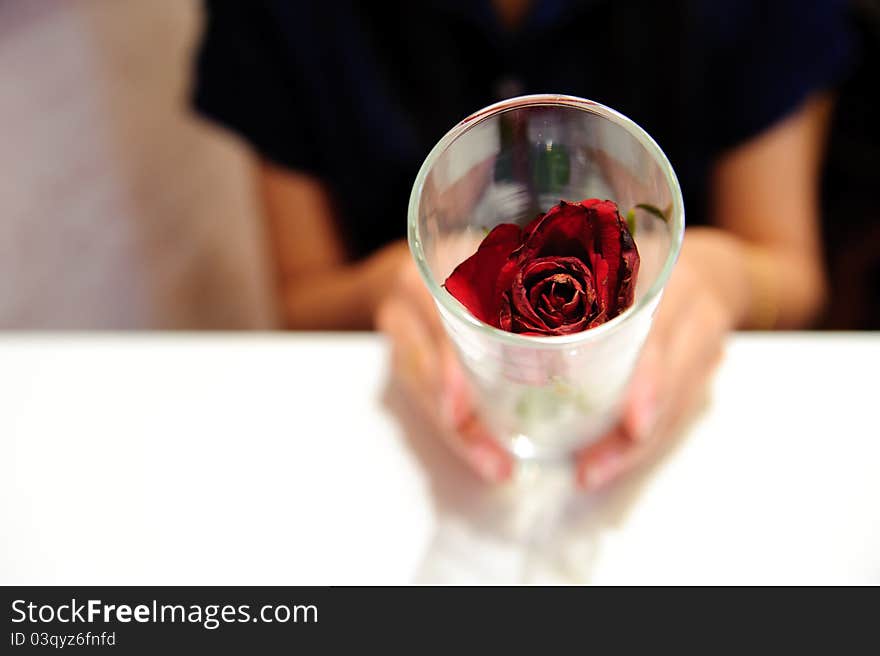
<point>683,348</point>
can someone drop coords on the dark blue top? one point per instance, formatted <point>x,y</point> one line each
<point>358,92</point>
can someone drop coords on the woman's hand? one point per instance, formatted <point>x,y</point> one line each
<point>683,348</point>
<point>424,362</point>
<point>761,269</point>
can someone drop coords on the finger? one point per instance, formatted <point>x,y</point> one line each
<point>440,389</point>
<point>666,385</point>
<point>476,445</point>
<point>689,400</point>
<point>639,413</point>
<point>661,374</point>
<point>409,319</point>
<point>413,288</point>
<point>692,355</point>
<point>641,410</point>
<point>456,395</point>
<point>603,461</point>
<point>414,356</point>
<point>472,438</point>
<point>600,463</point>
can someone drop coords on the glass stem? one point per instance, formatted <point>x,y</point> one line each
<point>545,490</point>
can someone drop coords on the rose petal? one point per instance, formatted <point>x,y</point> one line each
<point>564,230</point>
<point>555,233</point>
<point>606,248</point>
<point>524,327</point>
<point>591,230</point>
<point>600,276</point>
<point>569,328</point>
<point>521,307</point>
<point>542,267</point>
<point>575,306</point>
<point>572,268</point>
<point>505,314</point>
<point>533,308</point>
<point>629,270</point>
<point>472,282</point>
<point>551,319</point>
<point>537,291</point>
<point>530,227</point>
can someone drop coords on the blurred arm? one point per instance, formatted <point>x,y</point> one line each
<point>766,261</point>
<point>318,288</point>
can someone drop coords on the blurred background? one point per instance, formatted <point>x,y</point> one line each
<point>120,208</point>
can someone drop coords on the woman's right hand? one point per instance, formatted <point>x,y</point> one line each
<point>425,364</point>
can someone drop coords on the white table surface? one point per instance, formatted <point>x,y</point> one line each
<point>285,459</point>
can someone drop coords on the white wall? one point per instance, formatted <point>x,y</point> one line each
<point>118,207</point>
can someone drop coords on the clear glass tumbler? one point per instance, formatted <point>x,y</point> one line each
<point>544,397</point>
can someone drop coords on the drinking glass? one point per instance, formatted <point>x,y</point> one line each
<point>544,398</point>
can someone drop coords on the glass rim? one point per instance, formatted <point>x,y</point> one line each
<point>454,307</point>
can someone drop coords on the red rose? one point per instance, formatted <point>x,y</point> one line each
<point>570,269</point>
